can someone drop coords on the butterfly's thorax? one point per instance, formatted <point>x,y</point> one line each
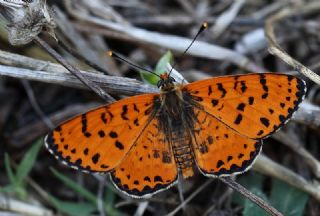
<point>176,121</point>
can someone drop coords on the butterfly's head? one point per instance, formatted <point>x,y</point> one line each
<point>166,82</point>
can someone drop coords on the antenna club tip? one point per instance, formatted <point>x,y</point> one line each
<point>205,25</point>
<point>110,53</point>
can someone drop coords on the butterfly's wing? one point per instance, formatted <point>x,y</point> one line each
<point>219,150</point>
<point>254,105</point>
<point>97,141</point>
<point>150,166</point>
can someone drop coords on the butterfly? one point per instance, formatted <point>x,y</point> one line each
<point>215,126</point>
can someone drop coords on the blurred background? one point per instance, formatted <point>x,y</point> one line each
<point>37,93</point>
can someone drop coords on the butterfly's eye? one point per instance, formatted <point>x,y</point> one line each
<point>160,83</point>
<point>171,79</point>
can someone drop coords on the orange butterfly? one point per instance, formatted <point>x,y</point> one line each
<point>216,125</point>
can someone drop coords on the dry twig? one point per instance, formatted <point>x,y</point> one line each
<point>257,200</point>
<point>276,49</point>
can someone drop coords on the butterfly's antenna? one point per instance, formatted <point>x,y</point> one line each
<point>202,28</point>
<point>137,67</point>
<point>81,57</point>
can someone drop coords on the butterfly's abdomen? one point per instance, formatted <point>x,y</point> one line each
<point>183,154</point>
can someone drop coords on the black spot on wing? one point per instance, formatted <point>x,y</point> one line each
<point>209,90</point>
<point>214,102</point>
<point>58,129</point>
<point>119,145</point>
<point>250,100</point>
<point>147,178</point>
<point>86,151</point>
<point>271,111</point>
<point>220,88</point>
<point>101,133</point>
<point>113,134</point>
<point>158,179</point>
<point>78,162</point>
<point>95,158</point>
<point>103,118</point>
<point>243,86</point>
<point>282,118</point>
<point>265,95</point>
<point>219,164</point>
<point>124,112</point>
<point>265,121</point>
<point>241,106</point>
<point>238,119</point>
<point>135,108</point>
<point>260,132</point>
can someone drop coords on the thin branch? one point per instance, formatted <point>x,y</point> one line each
<point>35,104</point>
<point>100,194</point>
<point>243,191</point>
<point>105,96</point>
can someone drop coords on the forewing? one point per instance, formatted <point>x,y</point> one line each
<point>255,105</point>
<point>220,150</point>
<point>97,141</point>
<point>150,166</point>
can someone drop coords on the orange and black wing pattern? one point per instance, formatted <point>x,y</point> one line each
<point>149,167</point>
<point>219,150</point>
<point>254,105</point>
<point>99,140</point>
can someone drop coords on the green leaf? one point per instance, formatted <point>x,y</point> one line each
<point>7,189</point>
<point>9,170</point>
<point>15,185</point>
<point>73,208</point>
<point>160,68</point>
<point>76,187</point>
<point>287,199</point>
<point>252,209</point>
<point>149,78</point>
<point>109,203</point>
<point>28,161</point>
<point>162,63</point>
<point>109,198</point>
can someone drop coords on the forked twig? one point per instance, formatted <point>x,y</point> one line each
<point>275,48</point>
<point>244,192</point>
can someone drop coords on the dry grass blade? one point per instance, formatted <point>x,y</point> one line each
<point>176,43</point>
<point>22,208</point>
<point>224,20</point>
<point>268,167</point>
